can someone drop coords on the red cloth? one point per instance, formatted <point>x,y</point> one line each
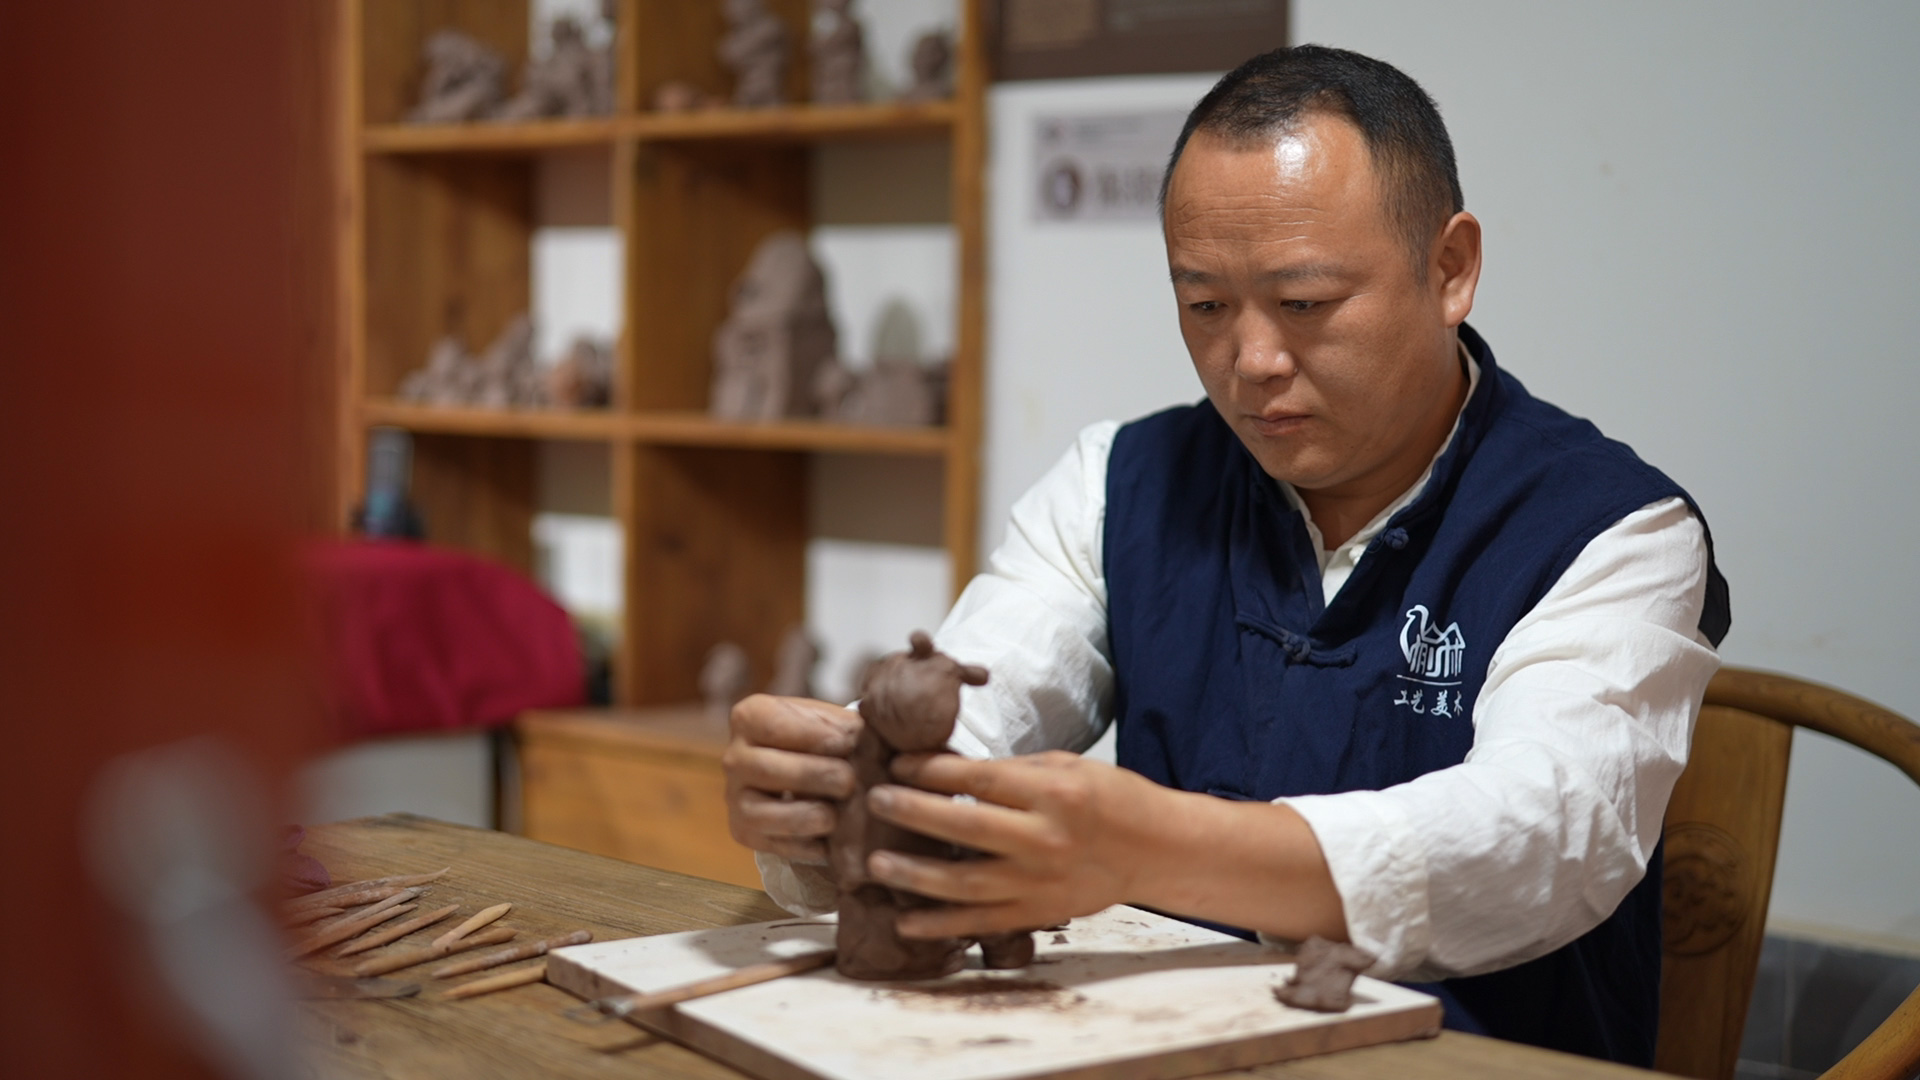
<point>423,638</point>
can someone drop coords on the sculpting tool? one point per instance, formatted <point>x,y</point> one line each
<point>331,897</point>
<point>396,932</point>
<point>524,951</point>
<point>498,935</point>
<point>506,980</point>
<point>353,926</point>
<point>619,1008</point>
<point>475,923</point>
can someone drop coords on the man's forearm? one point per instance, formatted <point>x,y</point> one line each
<point>1250,864</point>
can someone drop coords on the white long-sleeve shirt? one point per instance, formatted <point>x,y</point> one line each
<point>1580,729</point>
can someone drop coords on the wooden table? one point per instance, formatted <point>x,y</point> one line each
<point>520,1033</point>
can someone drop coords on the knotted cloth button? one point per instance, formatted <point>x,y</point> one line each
<point>1394,538</point>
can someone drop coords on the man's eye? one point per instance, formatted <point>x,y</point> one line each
<point>1300,307</point>
<point>1206,305</point>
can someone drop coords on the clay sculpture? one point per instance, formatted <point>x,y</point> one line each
<point>723,679</point>
<point>465,80</point>
<point>755,48</point>
<point>1323,976</point>
<point>932,64</point>
<point>839,52</point>
<point>910,705</point>
<point>573,79</point>
<point>507,376</point>
<point>776,336</point>
<point>793,665</point>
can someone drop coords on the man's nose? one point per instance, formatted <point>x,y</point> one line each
<point>1261,350</point>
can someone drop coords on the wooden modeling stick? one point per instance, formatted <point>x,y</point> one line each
<point>475,923</point>
<point>620,1007</point>
<point>396,932</point>
<point>498,935</point>
<point>309,916</point>
<point>354,925</point>
<point>506,980</point>
<point>336,896</point>
<point>524,951</point>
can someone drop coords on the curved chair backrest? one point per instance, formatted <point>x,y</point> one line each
<point>1723,826</point>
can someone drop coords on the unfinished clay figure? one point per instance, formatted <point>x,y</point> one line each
<point>573,79</point>
<point>932,64</point>
<point>776,335</point>
<point>723,679</point>
<point>755,48</point>
<point>1323,976</point>
<point>894,392</point>
<point>910,706</point>
<point>839,52</point>
<point>793,665</point>
<point>465,80</point>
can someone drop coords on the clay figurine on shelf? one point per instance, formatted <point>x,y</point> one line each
<point>583,379</point>
<point>506,376</point>
<point>724,679</point>
<point>932,64</point>
<point>755,48</point>
<point>573,79</point>
<point>910,704</point>
<point>839,52</point>
<point>894,392</point>
<point>793,665</point>
<point>1323,976</point>
<point>465,80</point>
<point>776,336</point>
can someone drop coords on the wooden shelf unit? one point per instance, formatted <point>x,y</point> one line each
<point>437,224</point>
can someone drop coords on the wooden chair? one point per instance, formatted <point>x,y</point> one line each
<point>1722,829</point>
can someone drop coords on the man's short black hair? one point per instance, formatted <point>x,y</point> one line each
<point>1268,95</point>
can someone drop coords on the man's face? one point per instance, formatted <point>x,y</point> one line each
<point>1328,354</point>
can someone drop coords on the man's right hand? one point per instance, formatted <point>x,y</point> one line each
<point>785,765</point>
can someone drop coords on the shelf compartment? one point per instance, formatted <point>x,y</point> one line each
<point>698,429</point>
<point>490,138</point>
<point>580,425</point>
<point>799,123</point>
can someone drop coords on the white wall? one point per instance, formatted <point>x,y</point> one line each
<point>1701,233</point>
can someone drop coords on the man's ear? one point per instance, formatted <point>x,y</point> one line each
<point>1454,270</point>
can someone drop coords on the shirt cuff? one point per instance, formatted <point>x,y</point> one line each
<point>1380,872</point>
<point>801,889</point>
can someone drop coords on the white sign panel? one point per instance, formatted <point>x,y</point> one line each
<point>1102,167</point>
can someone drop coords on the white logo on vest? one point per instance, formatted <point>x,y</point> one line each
<point>1435,658</point>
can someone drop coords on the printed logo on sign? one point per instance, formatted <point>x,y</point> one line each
<point>1432,653</point>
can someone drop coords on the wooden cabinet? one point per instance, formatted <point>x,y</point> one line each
<point>642,785</point>
<point>437,222</point>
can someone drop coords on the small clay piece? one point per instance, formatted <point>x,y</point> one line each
<point>839,51</point>
<point>465,80</point>
<point>932,64</point>
<point>909,706</point>
<point>777,334</point>
<point>723,679</point>
<point>1323,976</point>
<point>679,97</point>
<point>756,49</point>
<point>793,665</point>
<point>573,79</point>
<point>506,375</point>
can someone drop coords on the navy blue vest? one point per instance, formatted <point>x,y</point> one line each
<point>1235,678</point>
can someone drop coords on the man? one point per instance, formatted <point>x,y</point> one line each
<point>1399,654</point>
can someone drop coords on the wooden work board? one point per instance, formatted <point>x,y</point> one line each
<point>1122,995</point>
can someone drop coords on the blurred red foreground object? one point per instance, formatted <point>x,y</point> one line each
<point>426,639</point>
